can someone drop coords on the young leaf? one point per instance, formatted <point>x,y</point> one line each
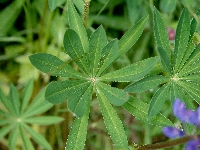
<point>158,100</point>
<point>76,24</point>
<point>132,72</point>
<point>109,54</point>
<point>139,109</point>
<point>38,138</point>
<point>112,122</point>
<point>78,104</point>
<point>74,49</point>
<point>182,38</point>
<point>115,96</point>
<point>12,140</point>
<point>146,83</point>
<point>97,42</point>
<point>14,97</point>
<point>77,135</point>
<point>131,36</point>
<point>46,120</point>
<point>59,91</point>
<point>50,64</point>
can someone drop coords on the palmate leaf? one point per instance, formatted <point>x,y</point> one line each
<point>52,65</point>
<point>97,41</point>
<point>193,25</point>
<point>59,91</point>
<point>77,135</point>
<point>146,83</point>
<point>5,130</point>
<point>43,120</point>
<point>74,49</point>
<point>112,122</point>
<point>158,100</point>
<point>14,97</point>
<point>182,38</point>
<point>139,109</point>
<point>76,24</point>
<point>132,72</point>
<point>12,140</point>
<point>114,95</point>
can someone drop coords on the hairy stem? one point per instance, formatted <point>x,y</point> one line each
<point>86,12</point>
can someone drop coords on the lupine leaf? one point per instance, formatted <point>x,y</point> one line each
<point>74,49</point>
<point>175,93</point>
<point>131,36</point>
<point>76,24</point>
<point>38,138</point>
<point>161,34</point>
<point>193,77</point>
<point>182,38</point>
<point>112,122</point>
<point>46,120</point>
<point>146,83</point>
<point>193,25</point>
<point>131,72</point>
<point>158,100</point>
<point>25,139</point>
<point>26,94</point>
<point>4,121</point>
<point>12,140</point>
<point>139,109</point>
<point>52,65</point>
<point>78,105</point>
<point>192,69</point>
<point>5,130</point>
<point>109,54</point>
<point>97,41</point>
<point>59,91</point>
<point>114,95</point>
<point>14,97</point>
<point>54,3</point>
<point>168,6</point>
<point>77,135</point>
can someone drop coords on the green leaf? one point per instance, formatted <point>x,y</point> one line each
<point>97,41</point>
<point>131,72</point>
<point>5,130</point>
<point>193,25</point>
<point>54,3</point>
<point>146,83</point>
<point>194,68</point>
<point>14,97</point>
<point>4,121</point>
<point>47,120</point>
<point>59,91</point>
<point>38,138</point>
<point>115,96</point>
<point>162,41</point>
<point>26,94</point>
<point>80,5</point>
<point>13,137</point>
<point>52,65</point>
<point>25,139</point>
<point>158,100</point>
<point>112,122</point>
<point>131,36</point>
<point>182,38</point>
<point>168,6</point>
<point>76,24</point>
<point>78,103</point>
<point>77,136</point>
<point>109,54</point>
<point>139,109</point>
<point>74,49</point>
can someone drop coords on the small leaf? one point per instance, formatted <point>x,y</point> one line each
<point>76,24</point>
<point>52,65</point>
<point>12,140</point>
<point>146,83</point>
<point>14,97</point>
<point>38,138</point>
<point>162,41</point>
<point>115,96</point>
<point>59,91</point>
<point>109,54</point>
<point>168,6</point>
<point>25,139</point>
<point>131,72</point>
<point>74,49</point>
<point>158,100</point>
<point>131,36</point>
<point>112,122</point>
<point>139,109</point>
<point>97,41</point>
<point>26,94</point>
<point>54,3</point>
<point>77,135</point>
<point>78,104</point>
<point>182,38</point>
<point>47,120</point>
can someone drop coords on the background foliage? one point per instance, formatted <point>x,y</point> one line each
<point>30,26</point>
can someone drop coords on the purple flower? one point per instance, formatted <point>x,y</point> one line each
<point>195,117</point>
<point>172,132</point>
<point>192,144</point>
